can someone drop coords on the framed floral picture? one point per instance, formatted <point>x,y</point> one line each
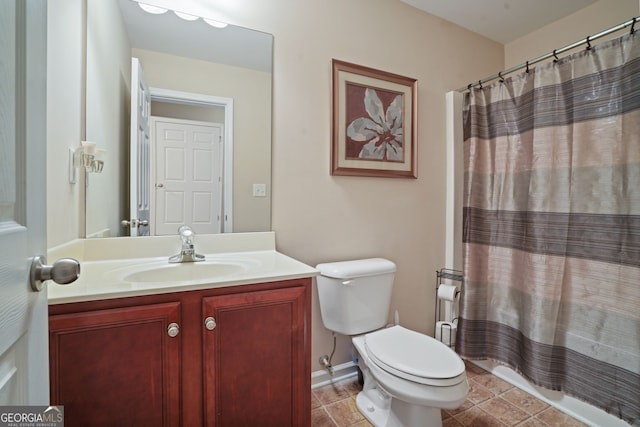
<point>373,122</point>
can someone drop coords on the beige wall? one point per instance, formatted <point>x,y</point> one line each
<point>577,26</point>
<point>65,119</point>
<point>108,84</point>
<point>320,218</point>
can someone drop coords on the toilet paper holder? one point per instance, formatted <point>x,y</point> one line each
<point>446,327</point>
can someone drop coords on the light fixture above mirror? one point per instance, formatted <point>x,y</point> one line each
<point>155,10</point>
<point>158,10</point>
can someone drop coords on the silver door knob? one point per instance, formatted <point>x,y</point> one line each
<point>134,223</point>
<point>210,323</point>
<point>173,330</point>
<point>63,271</point>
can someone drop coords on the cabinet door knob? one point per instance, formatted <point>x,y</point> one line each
<point>173,330</point>
<point>210,323</point>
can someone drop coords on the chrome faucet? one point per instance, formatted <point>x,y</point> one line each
<point>188,252</point>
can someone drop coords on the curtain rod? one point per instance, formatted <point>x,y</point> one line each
<point>555,53</point>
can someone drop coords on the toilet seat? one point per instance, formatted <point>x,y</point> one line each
<point>414,356</point>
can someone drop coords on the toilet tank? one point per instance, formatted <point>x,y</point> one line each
<point>354,296</point>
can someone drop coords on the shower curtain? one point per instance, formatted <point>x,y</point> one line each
<point>551,238</point>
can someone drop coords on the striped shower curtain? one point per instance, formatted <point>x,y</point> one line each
<point>551,239</point>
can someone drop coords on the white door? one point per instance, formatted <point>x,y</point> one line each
<point>24,354</point>
<point>188,171</point>
<point>139,160</point>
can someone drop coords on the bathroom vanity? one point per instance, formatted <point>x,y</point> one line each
<point>229,350</point>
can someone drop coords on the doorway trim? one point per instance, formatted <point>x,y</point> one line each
<point>198,99</point>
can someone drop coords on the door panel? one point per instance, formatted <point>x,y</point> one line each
<point>140,153</point>
<point>117,367</point>
<point>254,359</point>
<point>23,313</point>
<point>188,171</point>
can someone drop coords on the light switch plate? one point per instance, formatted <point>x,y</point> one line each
<point>259,190</point>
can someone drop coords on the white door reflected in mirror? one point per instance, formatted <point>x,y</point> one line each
<point>188,175</point>
<point>140,150</point>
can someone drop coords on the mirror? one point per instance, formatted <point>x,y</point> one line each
<point>212,68</point>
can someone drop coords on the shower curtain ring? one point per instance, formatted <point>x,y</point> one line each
<point>633,25</point>
<point>555,55</point>
<point>588,43</point>
<point>527,69</point>
<point>501,78</point>
<point>480,83</point>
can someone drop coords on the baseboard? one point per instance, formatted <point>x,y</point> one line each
<point>340,372</point>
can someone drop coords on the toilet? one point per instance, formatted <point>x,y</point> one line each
<point>408,376</point>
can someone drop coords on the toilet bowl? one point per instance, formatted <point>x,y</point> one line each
<point>408,376</point>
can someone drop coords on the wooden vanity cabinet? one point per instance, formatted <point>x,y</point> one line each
<point>241,358</point>
<point>255,361</point>
<point>116,366</point>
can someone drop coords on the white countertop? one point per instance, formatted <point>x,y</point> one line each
<point>103,275</point>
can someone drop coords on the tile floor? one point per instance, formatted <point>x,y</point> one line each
<point>491,402</point>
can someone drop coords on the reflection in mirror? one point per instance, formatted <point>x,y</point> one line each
<point>206,84</point>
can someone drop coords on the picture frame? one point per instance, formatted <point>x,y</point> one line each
<point>373,122</point>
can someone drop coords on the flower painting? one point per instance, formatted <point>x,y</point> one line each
<point>374,131</point>
<point>373,123</point>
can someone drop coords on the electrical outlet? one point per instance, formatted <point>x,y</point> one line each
<point>259,190</point>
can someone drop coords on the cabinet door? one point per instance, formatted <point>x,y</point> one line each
<point>116,367</point>
<point>254,359</point>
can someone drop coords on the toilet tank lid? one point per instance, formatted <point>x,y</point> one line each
<point>356,268</point>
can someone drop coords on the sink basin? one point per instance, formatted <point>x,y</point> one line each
<point>186,272</point>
